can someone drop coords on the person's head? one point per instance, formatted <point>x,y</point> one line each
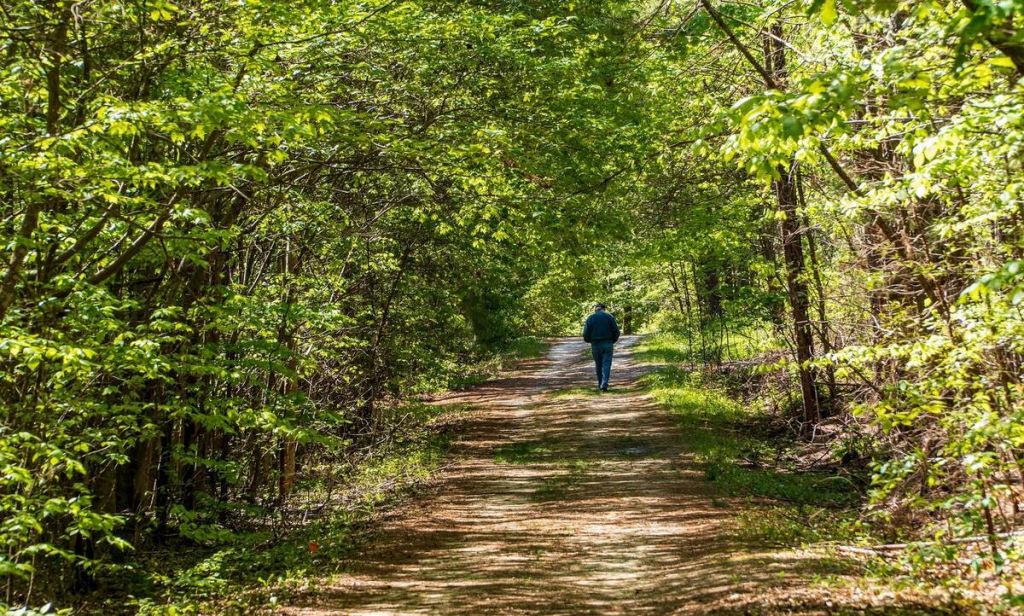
<point>598,307</point>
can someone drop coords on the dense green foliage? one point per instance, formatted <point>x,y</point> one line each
<point>889,137</point>
<point>234,231</point>
<point>234,234</point>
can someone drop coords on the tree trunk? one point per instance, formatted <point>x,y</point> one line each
<point>786,194</point>
<point>292,266</point>
<point>819,290</point>
<point>287,458</point>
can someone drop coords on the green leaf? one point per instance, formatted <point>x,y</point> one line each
<point>828,12</point>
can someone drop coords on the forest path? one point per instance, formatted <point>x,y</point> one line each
<point>564,501</point>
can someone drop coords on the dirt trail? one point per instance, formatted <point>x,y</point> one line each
<point>568,504</point>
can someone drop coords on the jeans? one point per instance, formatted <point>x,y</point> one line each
<point>602,352</point>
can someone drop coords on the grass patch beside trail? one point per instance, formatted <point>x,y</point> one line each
<point>252,571</point>
<point>729,438</point>
<point>723,434</point>
<point>673,347</point>
<point>662,348</point>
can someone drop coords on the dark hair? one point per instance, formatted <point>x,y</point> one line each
<point>599,306</point>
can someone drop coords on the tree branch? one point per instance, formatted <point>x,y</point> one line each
<point>771,82</point>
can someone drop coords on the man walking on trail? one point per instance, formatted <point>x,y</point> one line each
<point>602,332</point>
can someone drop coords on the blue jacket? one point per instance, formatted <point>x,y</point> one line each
<point>601,327</point>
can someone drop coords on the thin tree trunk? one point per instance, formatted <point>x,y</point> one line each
<point>787,195</point>
<point>289,384</point>
<point>819,289</point>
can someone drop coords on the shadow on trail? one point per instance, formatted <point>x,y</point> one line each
<point>571,503</point>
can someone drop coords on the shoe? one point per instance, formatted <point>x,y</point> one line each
<point>604,389</point>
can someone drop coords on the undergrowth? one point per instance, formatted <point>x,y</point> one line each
<point>733,433</point>
<point>729,440</point>
<point>254,568</point>
<point>493,362</point>
<point>743,454</point>
<point>270,553</point>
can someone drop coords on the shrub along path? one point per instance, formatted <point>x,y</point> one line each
<point>562,500</point>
